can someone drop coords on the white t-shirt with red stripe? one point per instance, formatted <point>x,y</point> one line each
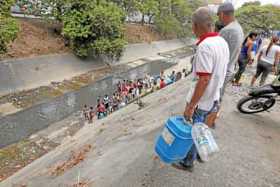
<point>212,57</point>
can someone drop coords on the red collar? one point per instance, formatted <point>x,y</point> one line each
<point>207,35</point>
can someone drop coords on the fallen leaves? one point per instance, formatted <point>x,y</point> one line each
<point>75,159</point>
<point>16,156</point>
<point>101,131</point>
<point>22,185</point>
<point>81,184</point>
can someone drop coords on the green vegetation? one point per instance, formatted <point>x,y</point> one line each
<point>174,17</point>
<point>148,8</point>
<point>254,17</point>
<point>8,32</point>
<point>8,26</point>
<point>169,16</point>
<point>95,28</point>
<point>5,7</point>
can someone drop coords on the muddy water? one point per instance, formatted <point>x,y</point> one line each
<point>22,124</point>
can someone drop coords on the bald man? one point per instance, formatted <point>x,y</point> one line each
<point>209,71</point>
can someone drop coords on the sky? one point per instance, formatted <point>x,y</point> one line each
<point>238,3</point>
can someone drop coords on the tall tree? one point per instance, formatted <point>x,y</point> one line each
<point>5,7</point>
<point>254,17</point>
<point>174,16</point>
<point>147,8</point>
<point>94,27</point>
<point>8,25</point>
<point>129,6</point>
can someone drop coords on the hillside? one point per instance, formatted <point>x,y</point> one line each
<point>38,38</point>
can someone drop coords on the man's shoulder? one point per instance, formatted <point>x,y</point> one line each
<point>211,41</point>
<point>233,28</point>
<point>210,45</point>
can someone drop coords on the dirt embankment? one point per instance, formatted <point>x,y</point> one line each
<point>34,39</point>
<point>135,33</point>
<point>37,37</point>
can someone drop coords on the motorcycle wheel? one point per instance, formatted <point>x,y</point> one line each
<point>252,105</point>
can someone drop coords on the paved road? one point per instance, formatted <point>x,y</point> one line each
<point>123,149</point>
<point>30,73</point>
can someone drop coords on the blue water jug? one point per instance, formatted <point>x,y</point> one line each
<point>175,140</point>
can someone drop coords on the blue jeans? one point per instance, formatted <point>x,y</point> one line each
<point>199,116</point>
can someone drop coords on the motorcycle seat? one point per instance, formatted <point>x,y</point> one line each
<point>267,89</point>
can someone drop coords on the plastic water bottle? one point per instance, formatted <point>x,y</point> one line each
<point>212,143</point>
<point>204,141</point>
<point>200,141</point>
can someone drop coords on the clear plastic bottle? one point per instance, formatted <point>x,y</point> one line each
<point>200,141</point>
<point>212,143</point>
<point>204,141</point>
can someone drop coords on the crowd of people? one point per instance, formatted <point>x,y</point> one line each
<point>128,91</point>
<point>267,58</point>
<point>214,67</point>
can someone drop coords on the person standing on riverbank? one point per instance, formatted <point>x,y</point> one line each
<point>232,32</point>
<point>209,72</point>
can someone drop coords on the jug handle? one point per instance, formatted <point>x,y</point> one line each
<point>187,120</point>
<point>183,118</point>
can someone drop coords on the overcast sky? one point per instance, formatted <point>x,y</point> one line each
<point>238,3</point>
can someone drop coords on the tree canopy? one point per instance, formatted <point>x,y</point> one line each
<point>8,25</point>
<point>254,17</point>
<point>94,28</point>
<point>97,25</point>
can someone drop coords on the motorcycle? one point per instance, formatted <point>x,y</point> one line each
<point>260,99</point>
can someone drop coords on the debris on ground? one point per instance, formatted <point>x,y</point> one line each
<point>19,155</point>
<point>75,158</point>
<point>81,184</point>
<point>101,130</point>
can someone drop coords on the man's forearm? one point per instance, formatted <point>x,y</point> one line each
<point>199,90</point>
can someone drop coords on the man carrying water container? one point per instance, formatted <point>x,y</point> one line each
<point>209,71</point>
